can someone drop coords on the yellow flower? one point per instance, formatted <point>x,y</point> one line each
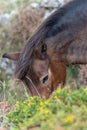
<point>47,111</point>
<point>58,91</point>
<point>40,108</point>
<point>86,90</point>
<point>17,103</point>
<point>46,102</point>
<point>32,98</point>
<point>41,103</point>
<point>69,119</point>
<point>29,104</point>
<point>55,97</point>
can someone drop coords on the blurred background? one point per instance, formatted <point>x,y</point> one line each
<point>18,20</point>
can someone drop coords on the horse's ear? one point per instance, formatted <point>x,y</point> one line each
<point>12,56</point>
<point>43,51</point>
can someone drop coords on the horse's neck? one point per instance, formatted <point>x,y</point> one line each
<point>72,50</point>
<point>76,51</point>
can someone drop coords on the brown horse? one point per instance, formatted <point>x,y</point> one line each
<point>59,41</point>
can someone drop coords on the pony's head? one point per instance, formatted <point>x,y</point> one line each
<point>43,75</point>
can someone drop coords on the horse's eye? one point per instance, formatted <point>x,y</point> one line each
<point>44,79</point>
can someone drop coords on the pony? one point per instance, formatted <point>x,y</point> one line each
<point>60,40</point>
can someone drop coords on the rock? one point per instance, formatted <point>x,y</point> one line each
<point>4,63</point>
<point>8,66</point>
<point>50,3</point>
<point>5,17</point>
<point>35,5</point>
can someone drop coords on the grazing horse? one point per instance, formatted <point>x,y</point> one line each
<point>59,41</point>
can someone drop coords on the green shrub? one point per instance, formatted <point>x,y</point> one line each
<point>65,107</point>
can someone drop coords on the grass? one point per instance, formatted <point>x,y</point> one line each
<point>66,109</point>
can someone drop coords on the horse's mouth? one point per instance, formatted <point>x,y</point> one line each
<point>33,91</point>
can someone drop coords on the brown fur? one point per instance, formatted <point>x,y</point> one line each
<point>58,75</point>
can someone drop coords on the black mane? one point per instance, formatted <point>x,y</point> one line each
<point>71,16</point>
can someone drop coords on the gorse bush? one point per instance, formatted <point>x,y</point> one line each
<point>65,107</point>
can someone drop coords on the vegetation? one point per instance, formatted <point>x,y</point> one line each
<point>17,30</point>
<point>65,107</point>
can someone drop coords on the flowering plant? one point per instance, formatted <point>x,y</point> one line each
<point>65,108</point>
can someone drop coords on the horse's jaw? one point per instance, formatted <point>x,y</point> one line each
<point>58,70</point>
